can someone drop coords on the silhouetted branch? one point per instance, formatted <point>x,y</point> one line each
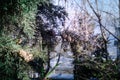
<point>99,20</point>
<point>57,63</point>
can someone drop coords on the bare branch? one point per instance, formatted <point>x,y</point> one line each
<point>99,19</point>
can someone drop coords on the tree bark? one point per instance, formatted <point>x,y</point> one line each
<point>118,34</point>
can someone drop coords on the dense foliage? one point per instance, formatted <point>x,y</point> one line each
<point>12,66</point>
<point>17,24</point>
<point>18,16</point>
<point>18,30</point>
<point>93,69</point>
<point>49,19</point>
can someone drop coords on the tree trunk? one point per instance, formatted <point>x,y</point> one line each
<point>118,34</point>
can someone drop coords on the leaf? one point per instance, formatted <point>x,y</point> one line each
<point>5,8</point>
<point>1,64</point>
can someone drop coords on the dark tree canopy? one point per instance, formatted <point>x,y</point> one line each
<point>49,18</point>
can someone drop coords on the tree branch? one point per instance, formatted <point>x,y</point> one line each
<point>99,19</point>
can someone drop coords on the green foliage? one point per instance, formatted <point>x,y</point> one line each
<point>17,21</point>
<point>11,65</point>
<point>20,15</point>
<point>16,7</point>
<point>91,68</point>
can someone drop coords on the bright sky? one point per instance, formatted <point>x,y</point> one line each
<point>110,6</point>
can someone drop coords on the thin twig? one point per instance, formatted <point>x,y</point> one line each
<point>98,16</point>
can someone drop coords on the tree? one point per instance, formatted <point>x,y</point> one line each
<point>118,32</point>
<point>17,23</point>
<point>83,63</point>
<point>49,18</point>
